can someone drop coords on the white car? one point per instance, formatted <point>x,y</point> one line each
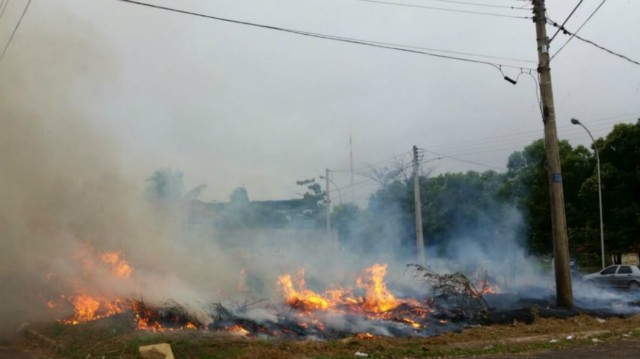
<point>619,276</point>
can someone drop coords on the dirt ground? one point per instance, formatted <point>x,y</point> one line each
<point>617,349</point>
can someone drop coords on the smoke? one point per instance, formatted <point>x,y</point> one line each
<point>65,199</point>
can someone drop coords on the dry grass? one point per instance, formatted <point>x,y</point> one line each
<point>113,339</point>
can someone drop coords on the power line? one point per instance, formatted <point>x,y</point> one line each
<point>592,43</point>
<point>395,158</point>
<point>465,161</point>
<point>15,29</point>
<point>565,21</point>
<point>579,28</point>
<point>484,5</point>
<point>444,51</point>
<point>447,9</point>
<point>485,141</point>
<point>322,36</point>
<point>4,5</point>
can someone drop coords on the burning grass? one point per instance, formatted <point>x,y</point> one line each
<point>305,322</point>
<point>110,338</point>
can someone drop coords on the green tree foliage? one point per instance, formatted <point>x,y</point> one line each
<point>313,203</point>
<point>620,168</point>
<point>457,204</point>
<point>343,217</point>
<point>527,185</point>
<point>453,205</point>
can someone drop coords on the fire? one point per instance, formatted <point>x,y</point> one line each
<point>88,308</point>
<point>301,298</point>
<point>484,287</point>
<point>119,266</point>
<point>378,298</point>
<point>411,322</point>
<point>364,336</point>
<point>190,326</point>
<point>237,329</point>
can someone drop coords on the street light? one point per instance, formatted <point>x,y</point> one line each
<point>576,122</point>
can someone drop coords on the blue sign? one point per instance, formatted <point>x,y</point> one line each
<point>556,178</point>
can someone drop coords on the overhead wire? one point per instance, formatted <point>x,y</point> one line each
<point>394,158</point>
<point>4,5</point>
<point>15,29</point>
<point>445,51</point>
<point>446,9</point>
<point>318,35</point>
<point>573,35</point>
<point>579,28</point>
<point>526,139</point>
<point>483,4</point>
<point>464,160</point>
<point>565,20</point>
<point>513,143</point>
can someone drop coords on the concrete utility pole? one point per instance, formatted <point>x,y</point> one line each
<point>328,201</point>
<point>564,291</point>
<point>418,207</point>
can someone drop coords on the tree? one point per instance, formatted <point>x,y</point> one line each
<point>620,170</point>
<point>458,205</point>
<point>313,203</point>
<point>345,218</point>
<point>527,186</point>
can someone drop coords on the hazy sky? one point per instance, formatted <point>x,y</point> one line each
<point>232,105</point>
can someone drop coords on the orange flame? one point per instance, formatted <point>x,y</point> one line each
<point>88,308</point>
<point>237,329</point>
<point>487,288</point>
<point>377,298</point>
<point>413,323</point>
<point>301,298</point>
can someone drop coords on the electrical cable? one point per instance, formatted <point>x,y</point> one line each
<point>15,29</point>
<point>367,167</point>
<point>565,21</point>
<point>465,161</point>
<point>484,5</point>
<point>317,35</point>
<point>579,28</point>
<point>604,123</point>
<point>444,51</point>
<point>446,9</point>
<point>522,137</point>
<point>4,5</point>
<point>592,43</point>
